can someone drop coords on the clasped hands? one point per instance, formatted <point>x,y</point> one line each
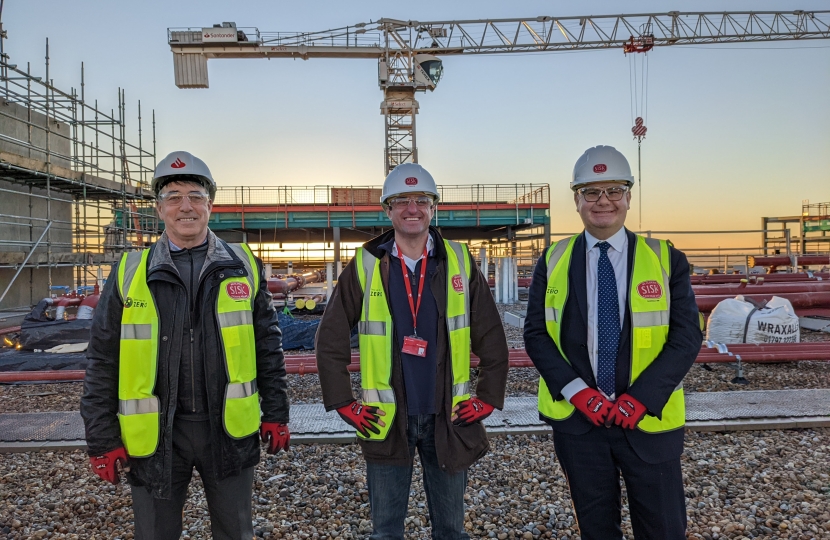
<point>366,418</point>
<point>625,412</point>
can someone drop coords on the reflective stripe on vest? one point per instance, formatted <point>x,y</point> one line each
<point>375,332</point>
<point>138,408</point>
<point>458,318</point>
<point>375,337</point>
<point>649,304</point>
<point>234,313</point>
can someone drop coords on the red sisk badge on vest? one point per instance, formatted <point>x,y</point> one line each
<point>650,290</point>
<point>238,291</point>
<point>415,346</point>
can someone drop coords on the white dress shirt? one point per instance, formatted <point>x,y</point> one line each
<point>617,254</point>
<point>410,263</point>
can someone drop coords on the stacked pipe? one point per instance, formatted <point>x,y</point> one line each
<point>808,295</point>
<point>304,364</point>
<point>775,261</point>
<point>758,278</point>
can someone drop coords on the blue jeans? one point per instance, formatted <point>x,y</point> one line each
<point>389,489</point>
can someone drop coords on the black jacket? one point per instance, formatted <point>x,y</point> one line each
<point>654,385</point>
<point>99,404</point>
<point>457,447</point>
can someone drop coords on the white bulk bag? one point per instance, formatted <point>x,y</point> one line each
<point>736,321</point>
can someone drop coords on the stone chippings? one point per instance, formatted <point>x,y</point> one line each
<point>765,484</point>
<point>770,484</point>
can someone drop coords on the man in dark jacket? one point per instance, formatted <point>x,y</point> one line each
<point>426,308</point>
<point>185,352</point>
<point>612,326</point>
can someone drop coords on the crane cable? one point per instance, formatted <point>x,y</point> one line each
<point>639,114</point>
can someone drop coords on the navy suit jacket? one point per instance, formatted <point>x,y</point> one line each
<point>654,385</point>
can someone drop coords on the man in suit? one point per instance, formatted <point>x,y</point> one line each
<point>612,327</point>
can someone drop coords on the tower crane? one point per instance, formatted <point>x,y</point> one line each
<point>408,52</point>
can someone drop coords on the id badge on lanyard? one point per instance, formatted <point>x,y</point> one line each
<point>413,344</point>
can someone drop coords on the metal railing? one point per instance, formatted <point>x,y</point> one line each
<point>370,195</point>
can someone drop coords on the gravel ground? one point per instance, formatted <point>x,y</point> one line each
<point>770,484</point>
<point>741,485</point>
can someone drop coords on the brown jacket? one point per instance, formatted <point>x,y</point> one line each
<point>457,447</point>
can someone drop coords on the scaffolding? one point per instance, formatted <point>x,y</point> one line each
<point>802,234</point>
<point>75,188</point>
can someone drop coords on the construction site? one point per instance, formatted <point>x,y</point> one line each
<point>76,196</point>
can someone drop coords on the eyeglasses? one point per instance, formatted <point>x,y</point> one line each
<point>591,194</point>
<point>403,202</point>
<point>174,198</point>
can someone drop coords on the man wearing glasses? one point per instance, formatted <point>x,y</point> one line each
<point>612,326</point>
<point>185,366</point>
<point>420,306</point>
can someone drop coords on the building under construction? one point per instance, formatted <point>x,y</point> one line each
<point>74,185</point>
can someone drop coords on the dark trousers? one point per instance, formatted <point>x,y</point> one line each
<point>229,500</point>
<point>593,463</point>
<point>389,489</point>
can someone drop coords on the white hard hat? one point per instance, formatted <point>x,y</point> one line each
<point>184,165</point>
<point>601,164</point>
<point>408,178</point>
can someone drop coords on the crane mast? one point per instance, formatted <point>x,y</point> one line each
<point>408,52</point>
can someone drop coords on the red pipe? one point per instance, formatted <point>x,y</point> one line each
<point>785,260</point>
<point>706,304</point>
<point>284,285</point>
<point>768,278</point>
<point>762,288</point>
<point>10,330</point>
<point>41,376</point>
<point>813,312</point>
<point>764,358</point>
<point>307,363</point>
<point>91,301</point>
<point>741,348</point>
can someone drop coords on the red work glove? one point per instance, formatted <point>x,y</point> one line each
<point>627,412</point>
<point>593,405</point>
<point>105,466</point>
<point>362,417</point>
<point>275,435</point>
<point>470,411</point>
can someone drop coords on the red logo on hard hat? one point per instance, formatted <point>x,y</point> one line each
<point>600,168</point>
<point>411,181</point>
<point>457,284</point>
<point>238,291</point>
<point>178,164</point>
<point>650,290</point>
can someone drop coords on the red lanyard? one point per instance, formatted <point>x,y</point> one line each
<point>414,307</point>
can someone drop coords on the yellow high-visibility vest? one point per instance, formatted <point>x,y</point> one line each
<point>649,301</point>
<point>375,332</point>
<point>138,406</point>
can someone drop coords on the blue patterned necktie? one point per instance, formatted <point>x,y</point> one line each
<point>608,322</point>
